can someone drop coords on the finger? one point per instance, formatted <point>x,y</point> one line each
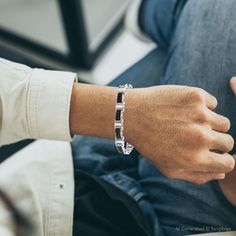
<point>219,122</point>
<point>222,163</point>
<point>211,101</point>
<point>203,178</point>
<point>221,142</point>
<point>233,85</point>
<point>198,177</point>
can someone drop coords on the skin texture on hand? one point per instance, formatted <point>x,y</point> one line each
<point>173,127</point>
<point>228,185</point>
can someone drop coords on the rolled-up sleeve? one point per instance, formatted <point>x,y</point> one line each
<point>34,103</point>
<point>48,104</point>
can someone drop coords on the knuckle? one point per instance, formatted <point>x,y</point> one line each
<point>197,95</point>
<point>202,114</point>
<point>202,137</point>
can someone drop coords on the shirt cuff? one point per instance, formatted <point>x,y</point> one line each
<point>131,21</point>
<point>48,104</point>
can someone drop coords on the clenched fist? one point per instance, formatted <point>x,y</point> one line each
<point>175,128</point>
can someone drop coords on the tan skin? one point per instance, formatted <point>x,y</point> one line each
<point>228,185</point>
<point>174,127</point>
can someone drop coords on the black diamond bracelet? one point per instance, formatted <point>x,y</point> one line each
<point>121,145</point>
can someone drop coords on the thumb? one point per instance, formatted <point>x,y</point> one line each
<point>233,85</point>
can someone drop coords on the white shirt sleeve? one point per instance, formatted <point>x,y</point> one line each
<point>42,188</point>
<point>34,103</point>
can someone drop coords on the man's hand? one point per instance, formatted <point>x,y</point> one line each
<point>228,184</point>
<point>175,128</point>
<point>172,126</point>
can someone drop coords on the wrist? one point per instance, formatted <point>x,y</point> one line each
<point>131,115</point>
<point>73,110</point>
<point>93,110</point>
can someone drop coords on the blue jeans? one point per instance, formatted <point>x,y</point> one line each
<point>197,47</point>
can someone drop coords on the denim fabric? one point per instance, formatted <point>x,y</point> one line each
<point>197,47</point>
<point>100,157</point>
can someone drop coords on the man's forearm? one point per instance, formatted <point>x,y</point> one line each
<point>92,110</point>
<point>161,123</point>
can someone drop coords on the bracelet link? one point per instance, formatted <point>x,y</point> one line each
<point>121,145</point>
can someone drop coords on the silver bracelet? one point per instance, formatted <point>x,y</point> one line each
<point>121,145</point>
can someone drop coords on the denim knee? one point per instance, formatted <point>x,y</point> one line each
<point>158,18</point>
